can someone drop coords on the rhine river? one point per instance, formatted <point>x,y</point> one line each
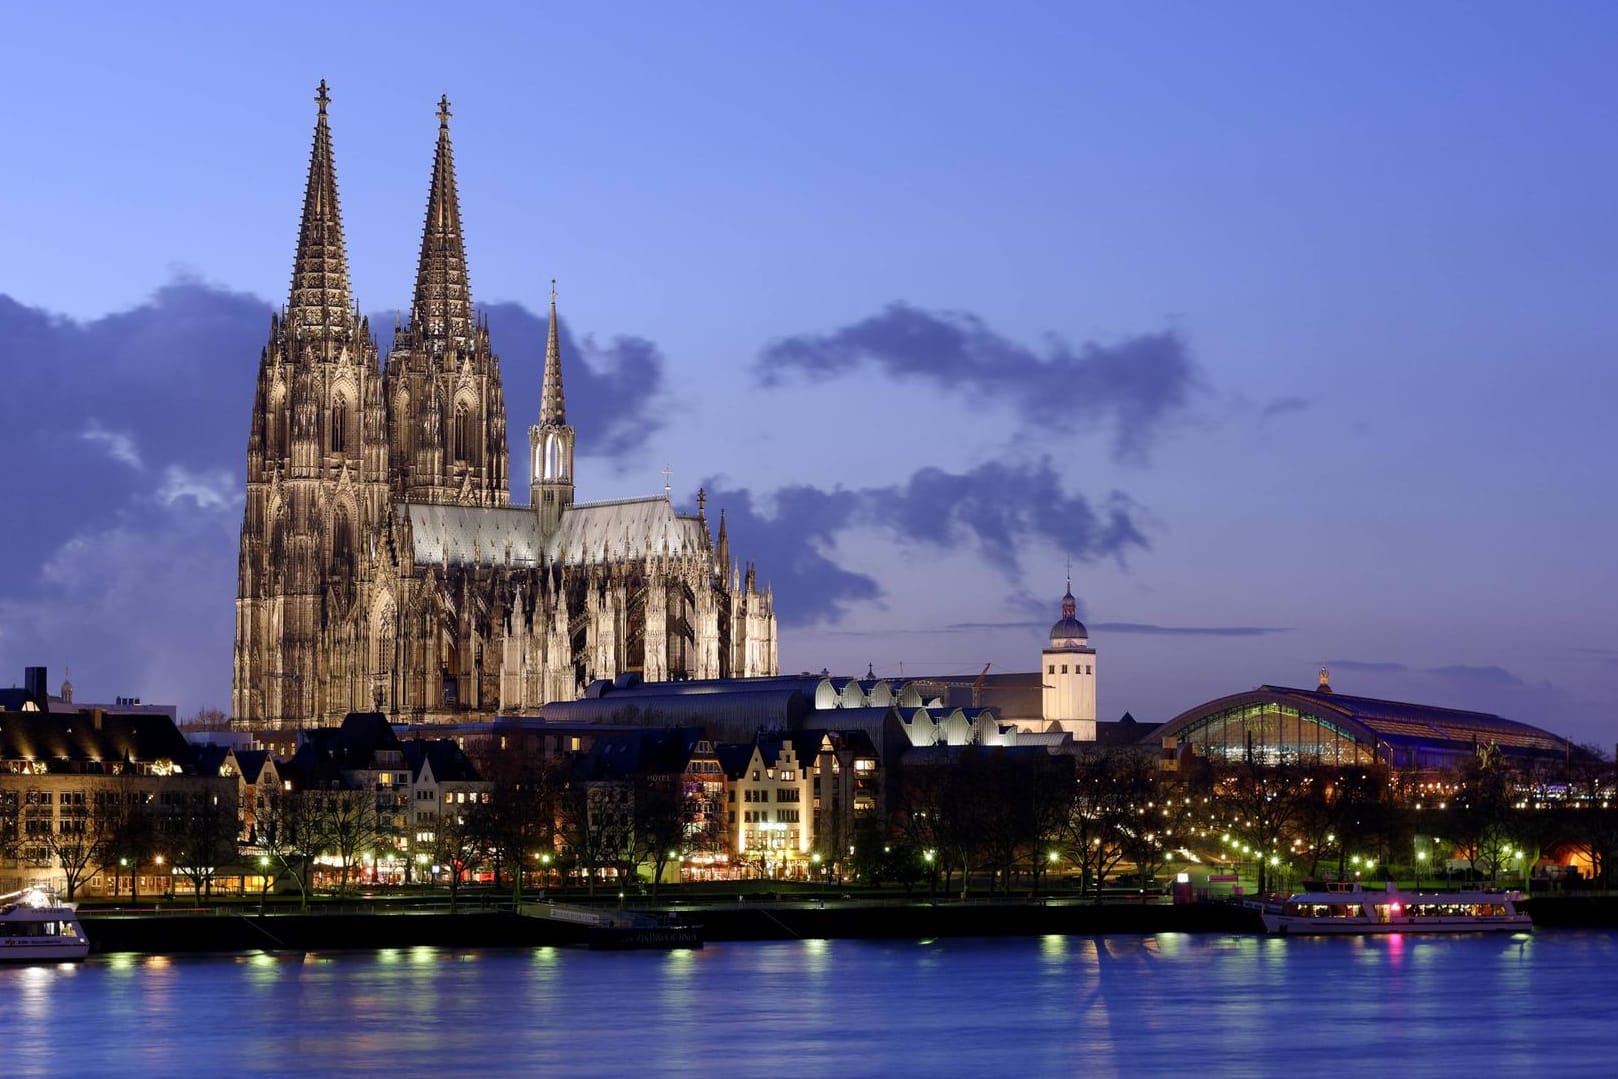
<point>1168,1004</point>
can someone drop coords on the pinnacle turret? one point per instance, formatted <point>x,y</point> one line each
<point>320,304</point>
<point>441,312</point>
<point>552,403</point>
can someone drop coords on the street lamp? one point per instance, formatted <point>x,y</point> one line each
<point>1421,856</point>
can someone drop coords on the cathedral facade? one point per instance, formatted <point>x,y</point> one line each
<point>383,565</point>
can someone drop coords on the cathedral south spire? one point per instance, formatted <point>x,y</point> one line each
<point>550,441</point>
<point>441,311</point>
<point>444,355</point>
<point>320,304</point>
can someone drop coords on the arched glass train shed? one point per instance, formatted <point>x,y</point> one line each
<point>1280,723</point>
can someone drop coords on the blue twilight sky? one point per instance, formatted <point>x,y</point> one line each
<point>1291,325</point>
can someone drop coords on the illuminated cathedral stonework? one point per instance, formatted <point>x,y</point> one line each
<point>382,565</point>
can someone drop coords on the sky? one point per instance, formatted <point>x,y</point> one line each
<point>1289,328</point>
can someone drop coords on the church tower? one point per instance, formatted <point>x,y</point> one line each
<point>550,442</point>
<point>317,484</point>
<point>1069,675</point>
<point>446,408</point>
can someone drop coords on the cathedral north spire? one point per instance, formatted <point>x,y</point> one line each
<point>441,312</point>
<point>320,304</point>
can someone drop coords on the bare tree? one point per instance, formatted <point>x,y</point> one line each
<point>78,841</point>
<point>132,838</point>
<point>520,816</point>
<point>1107,792</point>
<point>290,828</point>
<point>205,835</point>
<point>10,823</point>
<point>658,822</point>
<point>351,827</point>
<point>460,844</point>
<point>583,832</point>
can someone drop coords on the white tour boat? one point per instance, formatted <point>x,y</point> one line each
<point>35,927</point>
<point>1349,908</point>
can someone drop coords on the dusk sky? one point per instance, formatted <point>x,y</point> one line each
<point>1292,326</point>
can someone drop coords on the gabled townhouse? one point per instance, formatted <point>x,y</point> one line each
<point>769,805</point>
<point>442,780</point>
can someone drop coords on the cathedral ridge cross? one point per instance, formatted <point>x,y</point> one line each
<point>322,96</point>
<point>443,110</point>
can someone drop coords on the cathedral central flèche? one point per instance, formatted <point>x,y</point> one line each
<point>382,563</point>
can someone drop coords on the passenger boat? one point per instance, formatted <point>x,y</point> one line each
<point>1351,909</point>
<point>35,927</point>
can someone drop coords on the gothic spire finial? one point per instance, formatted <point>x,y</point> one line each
<point>552,403</point>
<point>320,302</point>
<point>441,313</point>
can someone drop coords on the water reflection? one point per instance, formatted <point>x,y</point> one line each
<point>1045,1005</point>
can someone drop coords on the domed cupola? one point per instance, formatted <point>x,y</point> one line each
<point>1069,632</point>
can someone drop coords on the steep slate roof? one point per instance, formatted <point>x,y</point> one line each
<point>449,762</point>
<point>210,758</point>
<point>77,739</point>
<point>325,753</point>
<point>1126,731</point>
<point>734,757</point>
<point>658,751</point>
<point>251,762</point>
<point>361,737</point>
<point>590,531</point>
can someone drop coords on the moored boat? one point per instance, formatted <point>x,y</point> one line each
<point>626,937</point>
<point>1352,909</point>
<point>36,927</point>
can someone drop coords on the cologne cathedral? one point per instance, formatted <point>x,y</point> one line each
<point>382,563</point>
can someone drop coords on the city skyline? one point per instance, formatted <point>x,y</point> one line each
<point>1290,334</point>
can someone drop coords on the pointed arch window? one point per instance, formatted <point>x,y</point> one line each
<point>339,424</point>
<point>465,435</point>
<point>342,544</point>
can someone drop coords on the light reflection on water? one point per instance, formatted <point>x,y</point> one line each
<point>1038,1006</point>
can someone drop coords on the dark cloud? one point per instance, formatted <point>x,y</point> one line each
<point>994,509</point>
<point>91,407</point>
<point>1132,387</point>
<point>1281,406</point>
<point>1190,631</point>
<point>791,549</point>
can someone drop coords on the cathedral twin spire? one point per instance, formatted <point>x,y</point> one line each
<point>320,304</point>
<point>441,311</point>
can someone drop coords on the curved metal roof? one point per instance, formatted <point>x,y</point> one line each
<point>1398,723</point>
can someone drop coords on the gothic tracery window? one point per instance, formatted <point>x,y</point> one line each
<point>463,434</point>
<point>339,425</point>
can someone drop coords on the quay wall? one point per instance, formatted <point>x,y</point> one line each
<point>234,932</point>
<point>230,931</point>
